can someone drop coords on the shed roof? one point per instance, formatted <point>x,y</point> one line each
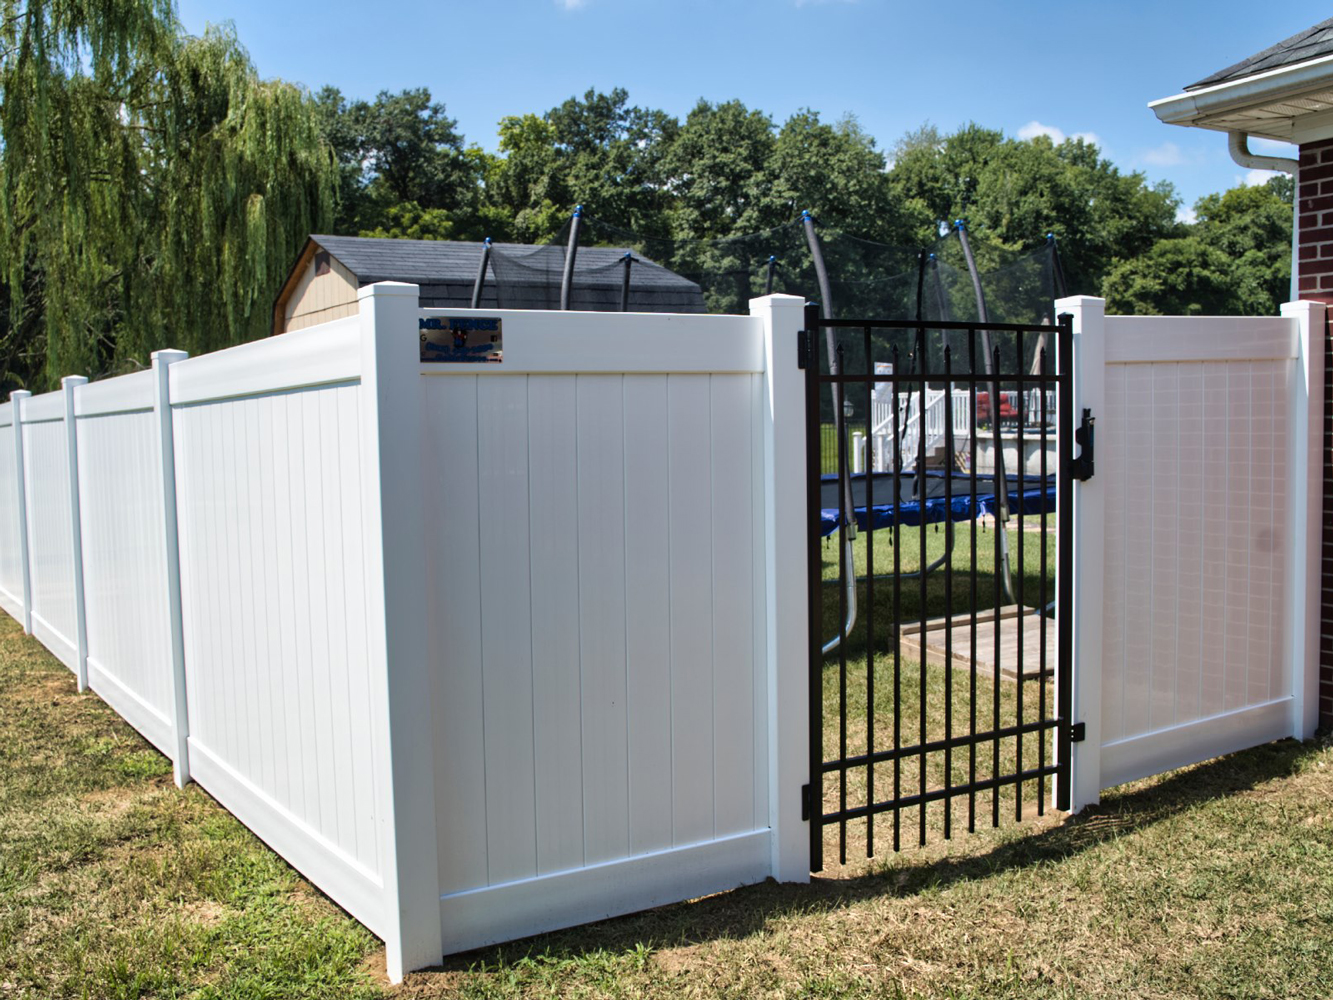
<point>1300,47</point>
<point>521,276</point>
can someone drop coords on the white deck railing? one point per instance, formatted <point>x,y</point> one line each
<point>959,410</point>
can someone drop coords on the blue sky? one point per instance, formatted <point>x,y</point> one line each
<point>1067,66</point>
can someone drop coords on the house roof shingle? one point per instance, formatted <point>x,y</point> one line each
<point>1300,47</point>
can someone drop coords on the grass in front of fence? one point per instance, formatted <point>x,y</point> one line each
<point>955,702</point>
<point>1213,881</point>
<point>114,883</point>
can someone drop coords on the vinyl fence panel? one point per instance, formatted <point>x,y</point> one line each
<point>268,486</point>
<point>1205,512</point>
<point>124,554</point>
<point>11,562</point>
<point>596,574</point>
<point>50,537</point>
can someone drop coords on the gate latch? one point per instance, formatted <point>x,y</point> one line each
<point>1078,732</point>
<point>802,348</point>
<point>1084,437</point>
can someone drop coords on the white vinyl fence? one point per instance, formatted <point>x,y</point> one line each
<point>483,650</point>
<point>597,568</point>
<point>491,649</point>
<point>1196,580</point>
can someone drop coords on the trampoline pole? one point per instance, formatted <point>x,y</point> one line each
<point>826,293</point>
<point>628,260</point>
<point>571,250</point>
<point>1001,482</point>
<point>844,478</point>
<point>481,273</point>
<point>1061,290</point>
<point>772,266</point>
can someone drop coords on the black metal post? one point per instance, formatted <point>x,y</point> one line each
<point>768,282</point>
<point>1064,565</point>
<point>814,791</point>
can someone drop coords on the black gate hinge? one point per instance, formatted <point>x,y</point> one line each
<point>1078,732</point>
<point>805,803</point>
<point>802,348</point>
<point>1084,436</point>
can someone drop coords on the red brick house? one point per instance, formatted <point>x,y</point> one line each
<point>1285,92</point>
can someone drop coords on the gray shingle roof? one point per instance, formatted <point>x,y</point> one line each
<point>1308,44</point>
<point>520,276</point>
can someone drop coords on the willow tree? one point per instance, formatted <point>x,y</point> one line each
<point>154,188</point>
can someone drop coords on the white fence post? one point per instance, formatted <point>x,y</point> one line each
<point>1089,371</point>
<point>16,400</point>
<point>785,584</point>
<point>166,449</point>
<point>392,488</point>
<point>1304,514</point>
<point>68,384</point>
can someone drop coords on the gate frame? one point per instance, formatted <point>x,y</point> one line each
<point>1087,315</point>
<point>1064,704</point>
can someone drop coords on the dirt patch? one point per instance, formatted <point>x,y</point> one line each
<point>676,961</point>
<point>204,912</point>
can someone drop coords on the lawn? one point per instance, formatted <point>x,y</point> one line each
<point>933,703</point>
<point>1213,881</point>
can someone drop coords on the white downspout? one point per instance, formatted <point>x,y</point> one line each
<point>1238,145</point>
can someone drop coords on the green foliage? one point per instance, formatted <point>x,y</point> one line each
<point>1183,276</point>
<point>155,192</point>
<point>395,151</point>
<point>154,188</point>
<point>1235,259</point>
<point>1013,192</point>
<point>717,169</point>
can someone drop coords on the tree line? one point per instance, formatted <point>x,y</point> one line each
<point>156,189</point>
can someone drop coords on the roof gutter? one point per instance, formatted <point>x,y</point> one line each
<point>1192,106</point>
<point>1238,145</point>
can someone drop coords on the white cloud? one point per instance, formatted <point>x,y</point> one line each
<point>1035,128</point>
<point>1255,178</point>
<point>1187,215</point>
<point>1168,154</point>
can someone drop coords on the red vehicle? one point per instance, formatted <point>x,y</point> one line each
<point>1007,411</point>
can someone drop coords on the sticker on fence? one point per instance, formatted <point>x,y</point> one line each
<point>461,340</point>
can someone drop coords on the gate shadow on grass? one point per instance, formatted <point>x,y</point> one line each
<point>745,911</point>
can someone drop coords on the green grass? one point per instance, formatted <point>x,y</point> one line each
<point>113,883</point>
<point>933,703</point>
<point>1215,881</point>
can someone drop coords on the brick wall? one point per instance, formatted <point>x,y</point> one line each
<point>1314,275</point>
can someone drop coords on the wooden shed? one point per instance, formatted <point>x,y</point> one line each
<point>323,282</point>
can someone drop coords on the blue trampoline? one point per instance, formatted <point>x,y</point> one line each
<point>1036,497</point>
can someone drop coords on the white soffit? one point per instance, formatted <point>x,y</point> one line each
<point>1290,104</point>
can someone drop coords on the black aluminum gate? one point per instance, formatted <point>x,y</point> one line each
<point>909,742</point>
